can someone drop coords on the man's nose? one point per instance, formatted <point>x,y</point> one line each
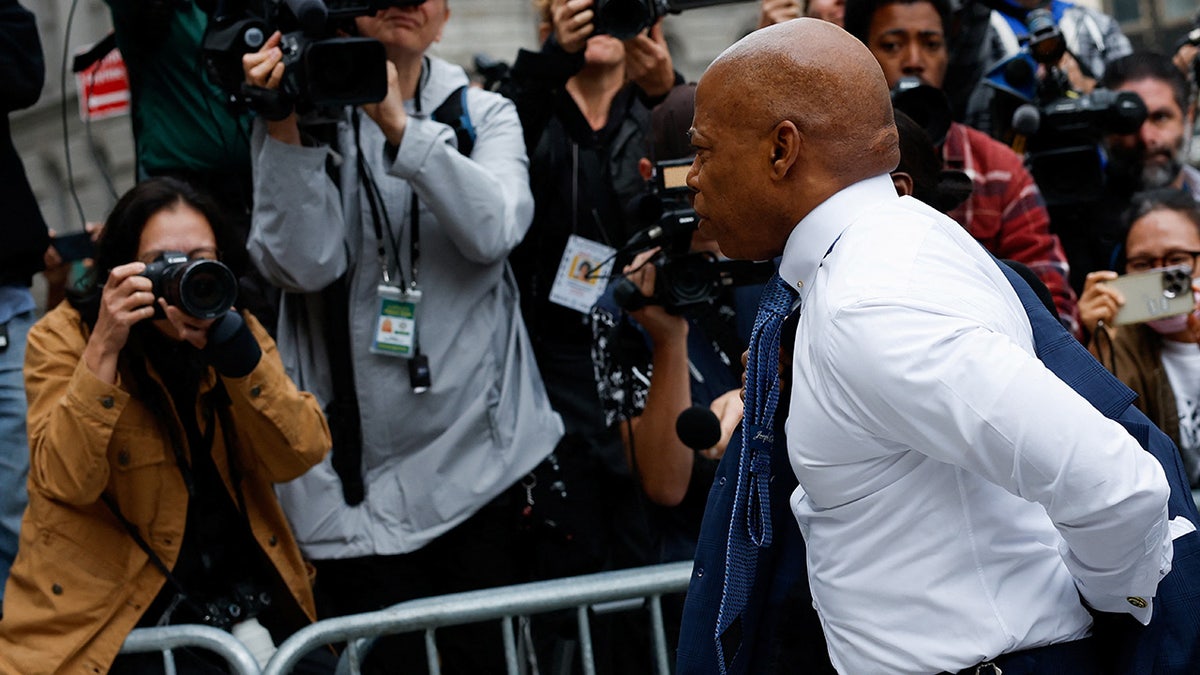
<point>912,63</point>
<point>1149,136</point>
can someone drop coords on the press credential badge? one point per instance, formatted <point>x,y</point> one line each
<point>396,328</point>
<point>582,274</point>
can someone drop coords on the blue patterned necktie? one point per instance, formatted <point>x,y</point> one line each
<point>750,524</point>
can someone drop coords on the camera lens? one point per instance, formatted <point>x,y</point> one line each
<point>623,19</point>
<point>204,289</point>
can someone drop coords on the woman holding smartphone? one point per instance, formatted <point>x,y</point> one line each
<point>1158,359</point>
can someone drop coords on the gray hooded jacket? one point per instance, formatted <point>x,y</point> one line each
<point>429,460</point>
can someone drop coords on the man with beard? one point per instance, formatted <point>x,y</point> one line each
<point>1154,157</point>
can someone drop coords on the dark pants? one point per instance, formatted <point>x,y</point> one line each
<point>1068,658</point>
<point>600,525</point>
<point>479,553</point>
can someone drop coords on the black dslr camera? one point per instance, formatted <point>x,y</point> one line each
<point>1063,129</point>
<point>205,289</point>
<point>683,280</point>
<point>323,68</point>
<point>624,19</point>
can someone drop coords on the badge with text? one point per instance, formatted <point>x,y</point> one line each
<point>582,274</point>
<point>396,327</point>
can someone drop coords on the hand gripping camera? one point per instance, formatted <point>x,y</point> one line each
<point>323,68</point>
<point>683,280</point>
<point>205,289</point>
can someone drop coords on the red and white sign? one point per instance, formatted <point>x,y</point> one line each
<point>103,88</point>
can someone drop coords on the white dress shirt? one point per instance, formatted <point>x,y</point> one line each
<point>955,496</point>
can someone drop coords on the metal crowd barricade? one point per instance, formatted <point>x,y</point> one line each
<point>165,638</point>
<point>503,604</point>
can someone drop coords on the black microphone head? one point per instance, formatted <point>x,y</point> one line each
<point>698,427</point>
<point>1026,119</point>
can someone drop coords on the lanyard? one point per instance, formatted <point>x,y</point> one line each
<point>379,214</point>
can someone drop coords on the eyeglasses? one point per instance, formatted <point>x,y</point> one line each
<point>1170,259</point>
<point>203,253</point>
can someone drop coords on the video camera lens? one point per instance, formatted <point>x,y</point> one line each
<point>204,289</point>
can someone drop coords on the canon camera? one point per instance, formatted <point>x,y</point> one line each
<point>205,289</point>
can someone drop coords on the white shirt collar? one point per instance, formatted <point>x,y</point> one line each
<point>812,237</point>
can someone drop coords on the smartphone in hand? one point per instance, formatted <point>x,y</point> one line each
<point>72,247</point>
<point>1154,294</point>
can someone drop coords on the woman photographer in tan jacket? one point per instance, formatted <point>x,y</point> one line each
<point>155,437</point>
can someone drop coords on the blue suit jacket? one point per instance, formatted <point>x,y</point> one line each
<point>780,626</point>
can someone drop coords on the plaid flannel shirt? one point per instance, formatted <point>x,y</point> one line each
<point>1006,213</point>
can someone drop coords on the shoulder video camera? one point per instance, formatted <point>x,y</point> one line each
<point>324,68</point>
<point>1063,128</point>
<point>683,279</point>
<point>205,289</point>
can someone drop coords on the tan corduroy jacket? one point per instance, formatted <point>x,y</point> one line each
<point>80,583</point>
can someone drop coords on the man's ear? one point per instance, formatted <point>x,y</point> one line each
<point>786,144</point>
<point>903,182</point>
<point>646,168</point>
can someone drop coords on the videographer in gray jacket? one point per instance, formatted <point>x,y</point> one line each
<point>408,237</point>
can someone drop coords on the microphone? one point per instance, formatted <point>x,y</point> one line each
<point>653,235</point>
<point>1026,121</point>
<point>698,428</point>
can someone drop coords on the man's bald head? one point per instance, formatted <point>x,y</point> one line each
<point>818,76</point>
<point>785,118</point>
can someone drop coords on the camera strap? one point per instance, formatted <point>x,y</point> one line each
<point>218,399</point>
<point>343,409</point>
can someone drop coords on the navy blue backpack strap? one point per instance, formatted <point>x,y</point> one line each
<point>453,113</point>
<point>1170,645</point>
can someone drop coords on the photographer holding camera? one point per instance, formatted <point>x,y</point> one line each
<point>400,314</point>
<point>1158,359</point>
<point>156,436</point>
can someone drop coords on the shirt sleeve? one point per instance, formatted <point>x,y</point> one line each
<point>483,202</point>
<point>298,233</point>
<point>959,391</point>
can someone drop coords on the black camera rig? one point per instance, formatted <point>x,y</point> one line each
<point>324,65</point>
<point>1061,128</point>
<point>624,19</point>
<point>683,279</point>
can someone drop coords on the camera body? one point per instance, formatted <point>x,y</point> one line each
<point>322,67</point>
<point>205,289</point>
<point>245,601</point>
<point>1063,129</point>
<point>683,279</point>
<point>624,19</point>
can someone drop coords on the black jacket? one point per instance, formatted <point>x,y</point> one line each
<point>22,73</point>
